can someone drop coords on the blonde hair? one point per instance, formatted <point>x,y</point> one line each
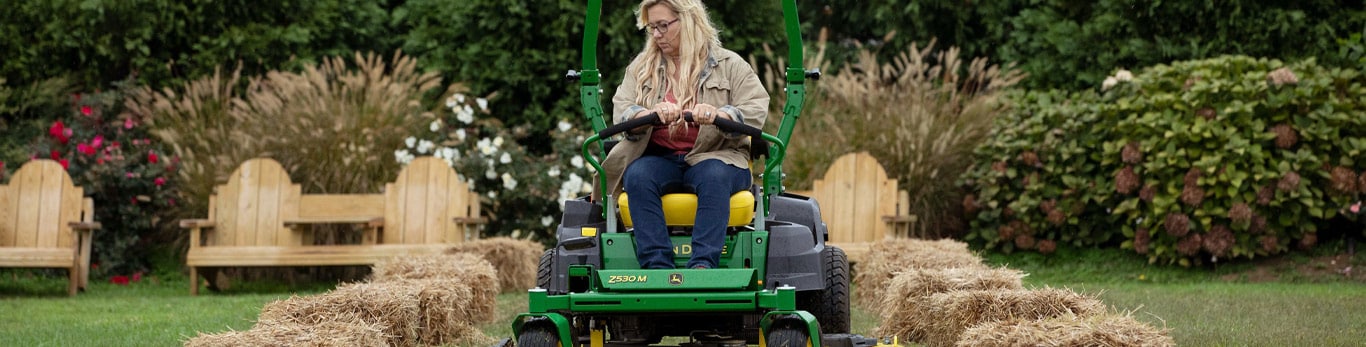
<point>697,38</point>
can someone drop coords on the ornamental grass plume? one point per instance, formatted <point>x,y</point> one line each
<point>934,106</point>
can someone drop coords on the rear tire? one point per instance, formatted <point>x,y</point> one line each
<point>787,336</point>
<point>830,305</point>
<point>538,335</point>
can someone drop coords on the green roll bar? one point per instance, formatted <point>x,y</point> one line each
<point>590,94</point>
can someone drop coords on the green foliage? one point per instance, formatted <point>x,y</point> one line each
<point>1070,44</point>
<point>129,177</point>
<point>1198,161</point>
<point>524,192</point>
<point>164,42</point>
<point>521,49</point>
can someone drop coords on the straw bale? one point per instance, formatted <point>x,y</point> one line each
<point>393,306</point>
<point>940,318</point>
<point>515,259</point>
<point>1104,330</point>
<point>340,333</point>
<point>469,270</point>
<point>448,311</point>
<point>916,285</point>
<point>888,257</point>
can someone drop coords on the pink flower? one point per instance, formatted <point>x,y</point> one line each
<point>60,132</point>
<point>86,110</point>
<point>128,123</point>
<point>65,164</point>
<point>128,174</point>
<point>160,181</point>
<point>119,280</point>
<point>1356,208</point>
<point>85,149</point>
<point>54,155</point>
<point>151,157</point>
<point>137,276</point>
<point>97,141</point>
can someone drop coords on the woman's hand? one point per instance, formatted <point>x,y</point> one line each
<point>707,114</point>
<point>668,112</point>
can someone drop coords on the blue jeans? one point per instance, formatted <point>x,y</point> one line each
<point>713,180</point>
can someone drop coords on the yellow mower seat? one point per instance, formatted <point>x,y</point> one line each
<point>680,209</point>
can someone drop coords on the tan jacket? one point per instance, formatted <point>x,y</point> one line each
<point>728,82</point>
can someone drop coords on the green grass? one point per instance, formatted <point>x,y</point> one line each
<point>1292,300</point>
<point>1306,304</point>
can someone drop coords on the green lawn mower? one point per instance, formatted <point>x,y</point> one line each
<point>778,283</point>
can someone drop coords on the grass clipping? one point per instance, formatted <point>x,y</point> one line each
<point>939,319</point>
<point>887,258</point>
<point>514,259</point>
<point>1106,330</point>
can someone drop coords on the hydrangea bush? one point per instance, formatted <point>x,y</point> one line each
<point>1194,162</point>
<point>524,192</point>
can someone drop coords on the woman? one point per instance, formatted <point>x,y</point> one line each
<point>683,68</point>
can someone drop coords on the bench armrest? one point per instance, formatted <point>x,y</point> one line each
<point>196,223</point>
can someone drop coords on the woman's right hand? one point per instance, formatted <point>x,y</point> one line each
<point>668,112</point>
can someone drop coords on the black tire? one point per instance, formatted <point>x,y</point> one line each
<point>830,305</point>
<point>545,271</point>
<point>787,335</point>
<point>538,335</point>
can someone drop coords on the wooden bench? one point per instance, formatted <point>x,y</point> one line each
<point>860,204</point>
<point>46,222</point>
<point>260,218</point>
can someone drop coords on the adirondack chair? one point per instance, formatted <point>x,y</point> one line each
<point>429,204</point>
<point>46,222</point>
<point>860,204</point>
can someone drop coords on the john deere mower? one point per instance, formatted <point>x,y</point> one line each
<point>777,283</point>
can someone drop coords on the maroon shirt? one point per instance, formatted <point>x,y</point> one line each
<point>680,142</point>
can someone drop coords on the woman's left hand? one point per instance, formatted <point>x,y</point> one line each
<point>706,114</point>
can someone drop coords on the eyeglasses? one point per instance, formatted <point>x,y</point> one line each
<point>660,27</point>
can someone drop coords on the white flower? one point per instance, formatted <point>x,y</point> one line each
<point>448,153</point>
<point>577,161</point>
<point>545,221</point>
<point>483,103</point>
<point>402,156</point>
<point>436,125</point>
<point>1108,83</point>
<point>450,102</point>
<point>460,134</point>
<point>508,182</point>
<point>490,174</point>
<point>459,97</point>
<point>506,158</point>
<point>485,147</point>
<point>1124,75</point>
<point>493,194</point>
<point>425,146</point>
<point>564,126</point>
<point>498,141</point>
<point>586,187</point>
<point>554,171</point>
<point>410,141</point>
<point>464,114</point>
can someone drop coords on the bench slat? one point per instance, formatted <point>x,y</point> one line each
<point>305,256</point>
<point>37,257</point>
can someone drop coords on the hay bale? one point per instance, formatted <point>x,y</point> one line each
<point>393,306</point>
<point>515,259</point>
<point>941,318</point>
<point>917,284</point>
<point>340,333</point>
<point>469,270</point>
<point>448,311</point>
<point>888,257</point>
<point>1104,330</point>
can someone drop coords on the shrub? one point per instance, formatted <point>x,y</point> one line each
<point>1196,161</point>
<point>25,113</point>
<point>130,177</point>
<point>920,115</point>
<point>525,191</point>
